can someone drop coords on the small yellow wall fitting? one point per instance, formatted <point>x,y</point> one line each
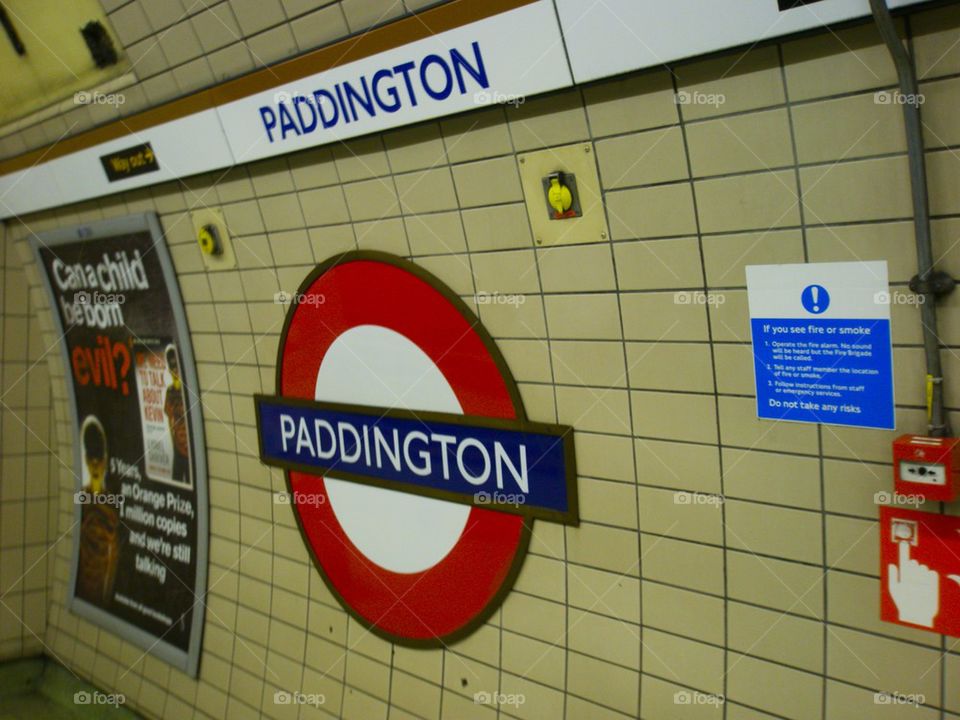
<point>559,195</point>
<point>570,210</point>
<point>213,238</point>
<point>209,239</point>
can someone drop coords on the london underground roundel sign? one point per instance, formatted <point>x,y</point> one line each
<point>411,467</point>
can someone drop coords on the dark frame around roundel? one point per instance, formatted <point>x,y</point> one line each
<point>514,394</point>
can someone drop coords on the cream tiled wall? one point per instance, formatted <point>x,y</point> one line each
<point>764,590</point>
<point>29,500</point>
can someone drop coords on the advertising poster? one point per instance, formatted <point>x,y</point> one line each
<point>140,538</point>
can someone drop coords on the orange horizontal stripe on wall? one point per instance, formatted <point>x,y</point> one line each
<point>172,110</point>
<point>396,34</point>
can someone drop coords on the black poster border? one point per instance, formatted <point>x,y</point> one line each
<point>188,661</point>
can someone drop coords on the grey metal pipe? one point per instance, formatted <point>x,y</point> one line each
<point>938,426</point>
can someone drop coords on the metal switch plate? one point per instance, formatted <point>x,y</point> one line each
<point>210,216</point>
<point>577,160</point>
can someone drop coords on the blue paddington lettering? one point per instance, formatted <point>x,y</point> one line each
<point>434,78</point>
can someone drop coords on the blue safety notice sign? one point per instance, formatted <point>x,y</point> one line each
<point>821,343</point>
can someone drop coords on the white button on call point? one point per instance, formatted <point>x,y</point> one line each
<point>914,587</point>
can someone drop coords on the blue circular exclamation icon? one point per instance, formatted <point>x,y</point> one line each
<point>815,299</point>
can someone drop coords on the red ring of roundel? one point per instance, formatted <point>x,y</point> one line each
<point>446,597</point>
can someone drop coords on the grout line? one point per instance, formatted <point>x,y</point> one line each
<point>716,397</point>
<point>801,206</point>
<point>633,459</point>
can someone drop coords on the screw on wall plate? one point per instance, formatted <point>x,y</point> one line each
<point>603,235</point>
<point>586,148</point>
<point>539,241</point>
<point>522,160</point>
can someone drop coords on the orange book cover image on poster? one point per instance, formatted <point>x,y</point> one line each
<point>163,413</point>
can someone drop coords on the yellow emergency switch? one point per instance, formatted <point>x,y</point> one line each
<point>561,196</point>
<point>209,239</point>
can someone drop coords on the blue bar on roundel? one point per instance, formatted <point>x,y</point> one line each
<point>517,466</point>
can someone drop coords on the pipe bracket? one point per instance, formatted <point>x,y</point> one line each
<point>938,284</point>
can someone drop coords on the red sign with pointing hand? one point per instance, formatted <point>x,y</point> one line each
<point>920,570</point>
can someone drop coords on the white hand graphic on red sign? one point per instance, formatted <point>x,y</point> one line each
<point>915,589</point>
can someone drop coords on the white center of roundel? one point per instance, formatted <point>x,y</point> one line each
<point>401,532</point>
